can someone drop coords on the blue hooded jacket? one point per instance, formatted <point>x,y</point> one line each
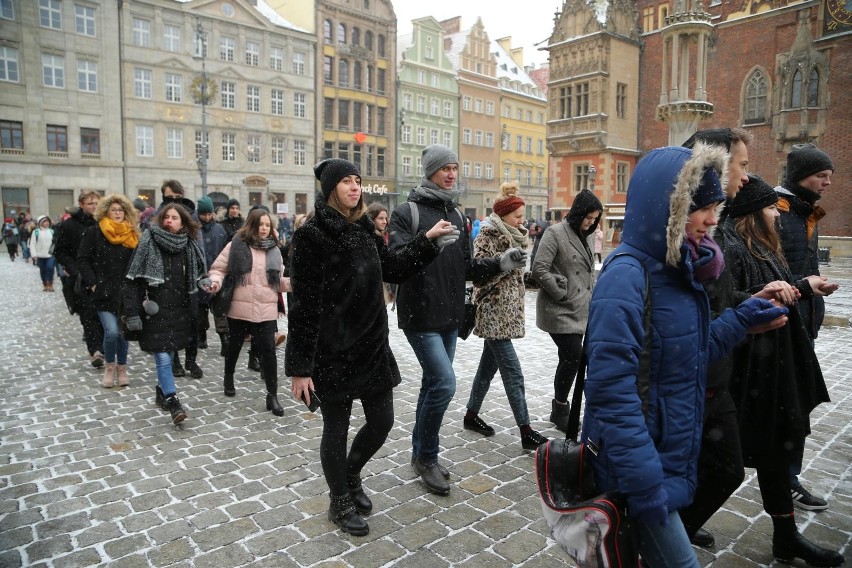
<point>639,454</point>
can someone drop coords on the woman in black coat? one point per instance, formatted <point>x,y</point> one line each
<point>337,347</point>
<point>162,300</point>
<point>776,380</point>
<point>102,262</point>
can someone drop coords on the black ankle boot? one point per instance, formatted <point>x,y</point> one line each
<point>160,399</point>
<point>559,415</point>
<point>253,363</point>
<point>362,503</point>
<point>229,385</point>
<point>194,370</point>
<point>342,513</point>
<point>273,405</point>
<point>223,339</point>
<point>202,340</point>
<point>789,544</point>
<point>173,405</point>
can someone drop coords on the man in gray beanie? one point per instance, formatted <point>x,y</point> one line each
<point>809,172</point>
<point>430,305</point>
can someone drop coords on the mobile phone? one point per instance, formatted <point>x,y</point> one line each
<point>315,401</point>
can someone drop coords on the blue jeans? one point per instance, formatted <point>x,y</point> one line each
<point>435,352</point>
<point>665,546</point>
<point>165,378</point>
<point>500,354</point>
<point>114,343</point>
<point>45,268</point>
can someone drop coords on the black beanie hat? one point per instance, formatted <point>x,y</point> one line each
<point>585,203</point>
<point>805,160</point>
<point>329,173</point>
<point>754,196</point>
<point>709,191</point>
<point>140,205</point>
<point>713,136</point>
<point>231,203</point>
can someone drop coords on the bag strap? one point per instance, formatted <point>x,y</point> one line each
<point>643,378</point>
<point>415,217</point>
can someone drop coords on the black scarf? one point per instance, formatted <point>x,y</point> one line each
<point>240,261</point>
<point>147,261</point>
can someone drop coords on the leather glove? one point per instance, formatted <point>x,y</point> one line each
<point>447,239</point>
<point>756,311</point>
<point>512,259</point>
<point>650,507</point>
<point>134,323</point>
<point>204,283</point>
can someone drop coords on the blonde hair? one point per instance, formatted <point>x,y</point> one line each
<point>131,215</point>
<point>86,194</point>
<point>299,220</point>
<point>352,215</point>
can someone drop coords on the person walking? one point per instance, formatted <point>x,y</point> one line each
<point>646,440</point>
<point>250,268</point>
<point>430,305</point>
<point>213,240</point>
<point>161,301</point>
<point>41,249</point>
<point>337,348</point>
<point>10,237</point>
<point>564,271</point>
<point>102,262</point>
<point>500,316</point>
<point>777,380</point>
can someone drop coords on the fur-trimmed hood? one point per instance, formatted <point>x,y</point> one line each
<point>660,195</point>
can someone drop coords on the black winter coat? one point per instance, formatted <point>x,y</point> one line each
<point>338,323</point>
<point>173,326</point>
<point>776,379</point>
<point>433,299</point>
<point>103,265</point>
<point>67,237</point>
<point>212,239</point>
<point>231,226</point>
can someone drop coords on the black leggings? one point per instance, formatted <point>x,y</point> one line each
<point>378,412</point>
<point>262,345</point>
<point>569,346</point>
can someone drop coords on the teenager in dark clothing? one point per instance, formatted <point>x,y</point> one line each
<point>233,221</point>
<point>213,240</point>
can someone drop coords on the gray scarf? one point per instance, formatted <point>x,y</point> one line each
<point>147,261</point>
<point>429,190</point>
<point>240,261</point>
<point>518,236</point>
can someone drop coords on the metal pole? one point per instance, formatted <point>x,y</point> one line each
<point>202,160</point>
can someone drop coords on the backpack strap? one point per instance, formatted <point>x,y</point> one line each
<point>415,217</point>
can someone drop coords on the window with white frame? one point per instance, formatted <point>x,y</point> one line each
<point>254,148</point>
<point>539,178</point>
<point>171,38</point>
<point>520,114</point>
<point>228,93</point>
<point>489,108</point>
<point>466,135</point>
<point>276,58</point>
<point>142,80</point>
<point>7,10</point>
<point>421,136</point>
<point>433,136</point>
<point>434,107</point>
<point>174,88</point>
<point>421,104</point>
<point>518,175</point>
<point>252,53</point>
<point>145,141</point>
<point>253,98</point>
<point>466,103</point>
<point>276,97</point>
<point>229,147</point>
<point>448,109</point>
<point>622,176</point>
<point>433,77</point>
<point>174,143</point>
<point>477,138</point>
<point>581,177</point>
<point>429,52</point>
<point>529,145</point>
<point>87,76</point>
<point>489,139</point>
<point>300,153</point>
<point>300,105</point>
<point>299,63</point>
<point>529,116</point>
<point>406,101</point>
<point>477,105</point>
<point>53,70</point>
<point>421,77</point>
<point>529,177</point>
<point>50,14</point>
<point>201,145</point>
<point>277,146</point>
<point>477,170</point>
<point>506,174</point>
<point>141,32</point>
<point>540,147</point>
<point>448,139</point>
<point>406,165</point>
<point>489,171</point>
<point>227,46</point>
<point>466,169</point>
<point>9,64</point>
<point>519,143</point>
<point>406,134</point>
<point>84,17</point>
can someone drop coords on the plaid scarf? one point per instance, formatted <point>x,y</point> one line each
<point>147,261</point>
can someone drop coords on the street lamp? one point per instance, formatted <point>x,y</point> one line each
<point>201,48</point>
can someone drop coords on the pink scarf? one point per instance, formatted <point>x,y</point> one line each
<point>707,259</point>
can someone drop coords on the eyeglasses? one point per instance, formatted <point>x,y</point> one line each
<point>114,210</point>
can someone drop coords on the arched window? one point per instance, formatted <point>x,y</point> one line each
<point>380,45</point>
<point>356,36</point>
<point>755,98</point>
<point>813,88</point>
<point>343,73</point>
<point>356,75</point>
<point>369,78</point>
<point>341,34</point>
<point>796,93</point>
<point>368,40</point>
<point>326,31</point>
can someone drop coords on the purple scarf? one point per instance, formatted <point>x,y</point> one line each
<point>707,259</point>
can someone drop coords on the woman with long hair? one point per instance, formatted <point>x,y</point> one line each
<point>337,346</point>
<point>161,301</point>
<point>564,270</point>
<point>252,267</point>
<point>102,260</point>
<point>500,316</point>
<point>776,380</point>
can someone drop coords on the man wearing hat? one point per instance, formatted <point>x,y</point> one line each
<point>430,305</point>
<point>809,172</point>
<point>233,221</point>
<point>212,240</point>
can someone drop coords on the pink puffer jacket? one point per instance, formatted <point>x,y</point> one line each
<point>255,301</point>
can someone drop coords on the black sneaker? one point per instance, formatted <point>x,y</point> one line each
<point>803,499</point>
<point>532,440</point>
<point>477,424</point>
<point>173,405</point>
<point>194,370</point>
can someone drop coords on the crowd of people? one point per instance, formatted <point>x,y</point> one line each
<point>733,318</point>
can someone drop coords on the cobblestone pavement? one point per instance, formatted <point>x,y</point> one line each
<point>90,476</point>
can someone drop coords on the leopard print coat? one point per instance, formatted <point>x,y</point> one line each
<point>500,299</point>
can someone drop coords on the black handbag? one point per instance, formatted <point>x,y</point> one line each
<point>221,301</point>
<point>469,314</point>
<point>592,527</point>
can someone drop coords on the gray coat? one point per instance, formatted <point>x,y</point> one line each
<point>563,269</point>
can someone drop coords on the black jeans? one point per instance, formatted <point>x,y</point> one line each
<point>93,331</point>
<point>262,344</point>
<point>568,346</point>
<point>378,412</point>
<point>720,463</point>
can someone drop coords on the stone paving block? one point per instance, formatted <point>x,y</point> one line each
<point>459,546</point>
<point>320,548</point>
<point>272,541</point>
<point>244,509</point>
<point>88,557</point>
<point>248,490</point>
<point>45,548</point>
<point>421,559</point>
<point>62,525</point>
<point>45,498</point>
<point>213,500</point>
<point>233,531</point>
<point>520,546</point>
<point>171,531</point>
<point>15,538</point>
<point>500,525</point>
<point>171,553</point>
<point>486,559</point>
<point>420,534</point>
<point>188,490</point>
<point>130,561</point>
<point>209,518</point>
<point>150,500</point>
<point>135,523</point>
<point>375,554</point>
<point>101,532</point>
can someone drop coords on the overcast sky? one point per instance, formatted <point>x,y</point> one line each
<point>528,21</point>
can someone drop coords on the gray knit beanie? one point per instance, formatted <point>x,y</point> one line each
<point>436,157</point>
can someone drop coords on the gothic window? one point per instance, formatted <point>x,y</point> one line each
<point>796,93</point>
<point>813,88</point>
<point>326,31</point>
<point>756,97</point>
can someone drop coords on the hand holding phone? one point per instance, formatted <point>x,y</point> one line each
<point>313,398</point>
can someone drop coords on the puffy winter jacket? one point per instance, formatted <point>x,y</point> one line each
<point>255,301</point>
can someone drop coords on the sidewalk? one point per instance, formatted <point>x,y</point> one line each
<point>91,476</point>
